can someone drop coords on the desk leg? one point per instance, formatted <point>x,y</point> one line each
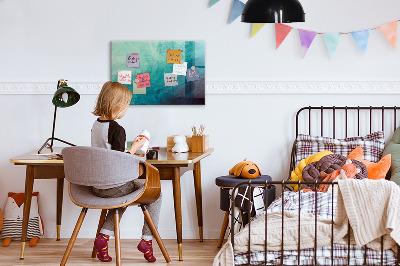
<point>176,182</point>
<point>199,204</point>
<point>60,190</point>
<point>27,206</point>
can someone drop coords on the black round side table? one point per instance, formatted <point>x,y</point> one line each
<point>228,182</point>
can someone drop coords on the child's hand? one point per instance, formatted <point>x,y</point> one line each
<point>137,144</point>
<point>143,155</point>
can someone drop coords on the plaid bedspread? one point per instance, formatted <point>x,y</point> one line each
<point>324,257</point>
<point>307,202</point>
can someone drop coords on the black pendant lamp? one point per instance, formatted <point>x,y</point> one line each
<point>273,11</point>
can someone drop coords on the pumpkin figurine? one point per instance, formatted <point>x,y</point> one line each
<point>245,169</point>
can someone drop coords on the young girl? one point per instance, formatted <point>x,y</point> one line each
<point>112,104</point>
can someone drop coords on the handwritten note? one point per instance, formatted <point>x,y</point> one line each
<point>133,60</point>
<point>192,75</point>
<point>180,69</point>
<point>144,80</point>
<point>170,79</point>
<point>174,56</point>
<point>125,77</point>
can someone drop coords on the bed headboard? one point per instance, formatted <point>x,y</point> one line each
<point>348,115</point>
<point>344,121</point>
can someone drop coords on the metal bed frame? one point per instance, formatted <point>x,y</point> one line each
<point>283,184</point>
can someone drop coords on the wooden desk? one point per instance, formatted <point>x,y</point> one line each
<point>40,167</point>
<point>171,167</point>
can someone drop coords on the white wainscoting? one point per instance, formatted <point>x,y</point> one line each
<point>233,87</point>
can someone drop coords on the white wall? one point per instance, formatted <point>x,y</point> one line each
<point>43,41</point>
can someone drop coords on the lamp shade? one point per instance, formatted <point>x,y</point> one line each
<point>273,11</point>
<point>65,96</point>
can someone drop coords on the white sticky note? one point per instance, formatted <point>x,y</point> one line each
<point>180,69</point>
<point>125,77</point>
<point>170,79</point>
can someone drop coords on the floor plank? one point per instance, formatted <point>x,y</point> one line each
<point>50,252</point>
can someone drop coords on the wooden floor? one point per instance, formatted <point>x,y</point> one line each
<point>50,252</point>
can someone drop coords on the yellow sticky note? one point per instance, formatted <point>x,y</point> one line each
<point>174,56</point>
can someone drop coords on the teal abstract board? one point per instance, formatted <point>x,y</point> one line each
<point>160,72</point>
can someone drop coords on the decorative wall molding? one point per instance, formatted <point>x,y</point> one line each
<point>304,87</point>
<point>234,87</point>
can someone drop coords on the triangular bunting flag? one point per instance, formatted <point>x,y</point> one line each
<point>306,39</point>
<point>361,38</point>
<point>332,41</point>
<point>213,2</point>
<point>281,31</point>
<point>237,9</point>
<point>389,30</point>
<point>256,28</point>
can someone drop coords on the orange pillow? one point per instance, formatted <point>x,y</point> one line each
<point>375,170</point>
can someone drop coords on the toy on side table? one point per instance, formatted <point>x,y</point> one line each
<point>245,169</point>
<point>13,215</point>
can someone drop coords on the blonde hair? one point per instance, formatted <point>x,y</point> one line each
<point>112,99</point>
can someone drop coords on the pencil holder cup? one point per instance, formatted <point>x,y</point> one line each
<point>200,143</point>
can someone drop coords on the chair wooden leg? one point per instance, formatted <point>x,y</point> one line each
<point>101,222</point>
<point>117,239</point>
<point>73,237</point>
<point>223,229</point>
<point>154,230</point>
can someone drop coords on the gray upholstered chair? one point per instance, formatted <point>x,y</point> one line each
<point>85,167</point>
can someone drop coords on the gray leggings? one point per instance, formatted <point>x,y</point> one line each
<point>154,208</point>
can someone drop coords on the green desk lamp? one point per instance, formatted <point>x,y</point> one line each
<point>65,96</point>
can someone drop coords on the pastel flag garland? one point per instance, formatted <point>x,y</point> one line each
<point>256,27</point>
<point>332,41</point>
<point>306,39</point>
<point>361,37</point>
<point>213,2</point>
<point>281,31</point>
<point>389,30</point>
<point>237,9</point>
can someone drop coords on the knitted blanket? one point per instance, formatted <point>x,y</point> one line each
<point>371,207</point>
<point>274,235</point>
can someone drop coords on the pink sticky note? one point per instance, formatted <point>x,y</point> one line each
<point>144,80</point>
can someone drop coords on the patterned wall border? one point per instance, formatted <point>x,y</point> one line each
<point>235,87</point>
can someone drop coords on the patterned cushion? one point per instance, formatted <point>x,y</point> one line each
<point>13,228</point>
<point>372,144</point>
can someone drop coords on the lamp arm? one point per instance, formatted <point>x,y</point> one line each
<point>46,144</point>
<point>54,118</point>
<point>54,126</point>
